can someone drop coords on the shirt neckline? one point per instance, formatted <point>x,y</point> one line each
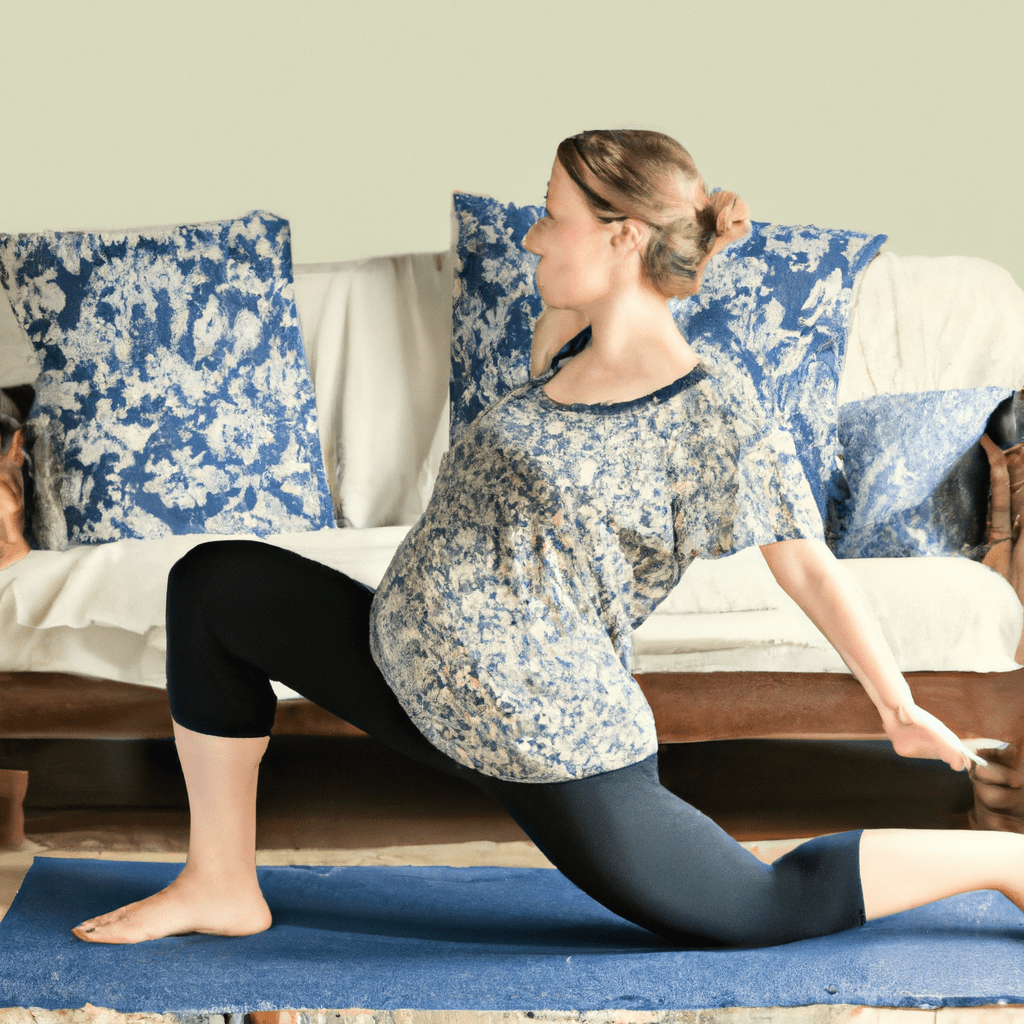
<point>694,376</point>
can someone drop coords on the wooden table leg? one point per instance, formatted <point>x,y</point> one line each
<point>13,787</point>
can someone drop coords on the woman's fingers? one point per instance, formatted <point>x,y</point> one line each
<point>1001,767</point>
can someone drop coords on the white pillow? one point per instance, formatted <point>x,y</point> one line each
<point>377,334</point>
<point>19,363</point>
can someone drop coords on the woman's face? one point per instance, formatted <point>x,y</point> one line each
<point>577,256</point>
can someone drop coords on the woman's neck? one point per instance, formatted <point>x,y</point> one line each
<point>635,350</point>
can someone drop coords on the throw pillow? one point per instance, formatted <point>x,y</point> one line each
<point>495,304</point>
<point>174,395</point>
<point>772,316</point>
<point>916,478</point>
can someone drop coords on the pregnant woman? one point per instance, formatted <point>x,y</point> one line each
<point>497,647</point>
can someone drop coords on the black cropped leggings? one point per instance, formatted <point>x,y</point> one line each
<point>240,613</point>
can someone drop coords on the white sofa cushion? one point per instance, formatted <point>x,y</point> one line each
<point>83,611</point>
<point>377,335</point>
<point>938,614</point>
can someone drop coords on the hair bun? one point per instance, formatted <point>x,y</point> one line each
<point>732,215</point>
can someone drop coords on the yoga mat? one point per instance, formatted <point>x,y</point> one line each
<point>476,938</point>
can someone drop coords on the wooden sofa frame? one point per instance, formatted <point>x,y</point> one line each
<point>688,708</point>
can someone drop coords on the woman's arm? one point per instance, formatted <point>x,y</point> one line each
<point>821,586</point>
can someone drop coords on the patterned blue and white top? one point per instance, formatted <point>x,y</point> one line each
<point>504,622</point>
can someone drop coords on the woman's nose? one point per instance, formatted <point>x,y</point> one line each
<point>529,238</point>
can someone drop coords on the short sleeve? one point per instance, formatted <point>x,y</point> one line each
<point>750,488</point>
<point>773,499</point>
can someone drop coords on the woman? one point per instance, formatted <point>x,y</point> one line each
<point>497,647</point>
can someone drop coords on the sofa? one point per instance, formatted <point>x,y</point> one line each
<point>726,656</point>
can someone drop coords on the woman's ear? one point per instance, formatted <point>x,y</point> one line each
<point>631,235</point>
<point>16,451</point>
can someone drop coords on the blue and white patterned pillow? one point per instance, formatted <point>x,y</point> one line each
<point>174,396</point>
<point>494,306</point>
<point>917,479</point>
<point>771,318</point>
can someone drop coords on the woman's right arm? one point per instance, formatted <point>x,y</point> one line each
<point>812,576</point>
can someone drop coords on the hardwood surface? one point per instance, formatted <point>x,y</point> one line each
<point>688,707</point>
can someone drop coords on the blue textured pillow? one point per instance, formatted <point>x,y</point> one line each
<point>917,479</point>
<point>494,306</point>
<point>771,316</point>
<point>174,396</point>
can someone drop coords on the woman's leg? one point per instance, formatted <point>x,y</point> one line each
<point>217,891</point>
<point>240,613</point>
<point>657,861</point>
<point>904,868</point>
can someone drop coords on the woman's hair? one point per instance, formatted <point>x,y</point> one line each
<point>647,176</point>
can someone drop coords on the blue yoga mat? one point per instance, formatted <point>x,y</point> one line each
<point>476,938</point>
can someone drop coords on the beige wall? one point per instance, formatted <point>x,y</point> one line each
<point>356,119</point>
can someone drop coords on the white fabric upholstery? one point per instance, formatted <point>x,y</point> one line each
<point>938,614</point>
<point>377,335</point>
<point>18,361</point>
<point>84,610</point>
<point>932,323</point>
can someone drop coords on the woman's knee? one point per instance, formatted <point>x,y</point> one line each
<point>213,682</point>
<point>210,572</point>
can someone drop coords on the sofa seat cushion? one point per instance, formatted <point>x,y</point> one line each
<point>83,610</point>
<point>937,614</point>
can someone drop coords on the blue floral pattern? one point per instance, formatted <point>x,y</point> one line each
<point>917,480</point>
<point>174,395</point>
<point>494,306</point>
<point>504,622</point>
<point>771,320</point>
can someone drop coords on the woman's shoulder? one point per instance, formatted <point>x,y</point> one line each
<point>718,412</point>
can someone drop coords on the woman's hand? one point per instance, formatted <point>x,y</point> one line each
<point>553,329</point>
<point>915,732</point>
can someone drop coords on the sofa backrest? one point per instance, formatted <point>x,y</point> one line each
<point>378,335</point>
<point>933,323</point>
<point>378,332</point>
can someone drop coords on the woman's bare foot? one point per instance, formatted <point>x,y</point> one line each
<point>185,906</point>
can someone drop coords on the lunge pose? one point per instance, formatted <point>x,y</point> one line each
<point>497,647</point>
